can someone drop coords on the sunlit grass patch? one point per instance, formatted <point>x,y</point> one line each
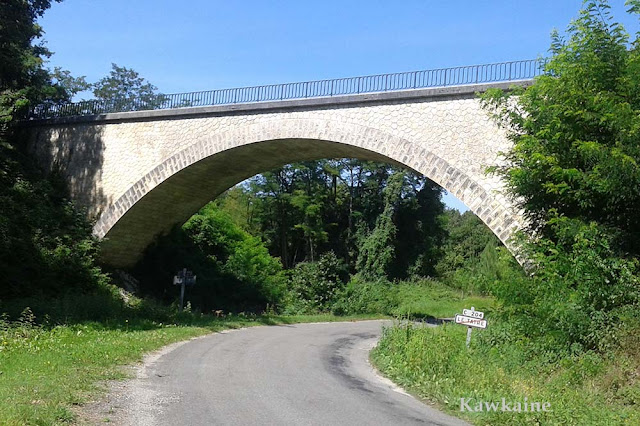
<point>430,298</point>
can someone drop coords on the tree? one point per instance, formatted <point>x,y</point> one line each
<point>67,82</point>
<point>23,80</point>
<point>421,233</point>
<point>303,210</point>
<point>467,238</point>
<point>576,131</point>
<point>124,90</point>
<point>575,170</point>
<point>377,247</point>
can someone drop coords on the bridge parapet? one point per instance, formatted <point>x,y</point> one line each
<point>512,71</point>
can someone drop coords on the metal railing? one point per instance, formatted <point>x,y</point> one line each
<point>474,74</point>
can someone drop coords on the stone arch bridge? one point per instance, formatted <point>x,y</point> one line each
<point>139,173</point>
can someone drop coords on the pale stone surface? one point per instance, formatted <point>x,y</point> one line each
<point>141,176</point>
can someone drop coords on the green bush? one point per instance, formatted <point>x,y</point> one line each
<point>46,247</point>
<point>234,269</point>
<point>580,292</point>
<point>315,286</point>
<point>479,274</point>
<point>251,263</point>
<point>574,170</point>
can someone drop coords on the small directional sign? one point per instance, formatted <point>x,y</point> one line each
<point>183,278</point>
<point>472,313</point>
<point>470,321</point>
<point>471,318</point>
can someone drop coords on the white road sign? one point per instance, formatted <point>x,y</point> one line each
<point>471,322</point>
<point>473,314</point>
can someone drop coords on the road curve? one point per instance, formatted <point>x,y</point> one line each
<point>304,374</point>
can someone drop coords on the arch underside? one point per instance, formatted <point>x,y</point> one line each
<point>178,188</point>
<point>184,193</point>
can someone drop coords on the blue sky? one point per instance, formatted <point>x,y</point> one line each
<point>200,45</point>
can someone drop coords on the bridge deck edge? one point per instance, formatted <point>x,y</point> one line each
<point>411,94</point>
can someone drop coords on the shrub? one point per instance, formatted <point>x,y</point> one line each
<point>315,286</point>
<point>234,269</point>
<point>46,245</point>
<point>580,290</point>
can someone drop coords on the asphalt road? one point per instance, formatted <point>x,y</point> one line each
<point>306,374</point>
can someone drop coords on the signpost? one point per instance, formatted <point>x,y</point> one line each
<point>471,318</point>
<point>182,279</point>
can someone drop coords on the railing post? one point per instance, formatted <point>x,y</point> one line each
<point>415,76</point>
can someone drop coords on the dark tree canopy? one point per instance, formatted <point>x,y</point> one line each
<point>381,220</point>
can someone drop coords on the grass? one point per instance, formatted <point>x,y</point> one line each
<point>429,298</point>
<point>584,389</point>
<point>45,371</point>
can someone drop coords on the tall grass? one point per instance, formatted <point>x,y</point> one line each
<point>585,389</point>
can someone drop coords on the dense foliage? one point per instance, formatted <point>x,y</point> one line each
<point>576,131</point>
<point>316,286</point>
<point>234,270</point>
<point>23,80</point>
<point>473,258</point>
<point>46,247</point>
<point>575,171</point>
<point>306,209</point>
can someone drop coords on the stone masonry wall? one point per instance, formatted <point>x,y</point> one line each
<point>114,162</point>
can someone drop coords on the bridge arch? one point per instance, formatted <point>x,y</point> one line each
<point>208,165</point>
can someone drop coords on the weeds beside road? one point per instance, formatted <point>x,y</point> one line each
<point>584,389</point>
